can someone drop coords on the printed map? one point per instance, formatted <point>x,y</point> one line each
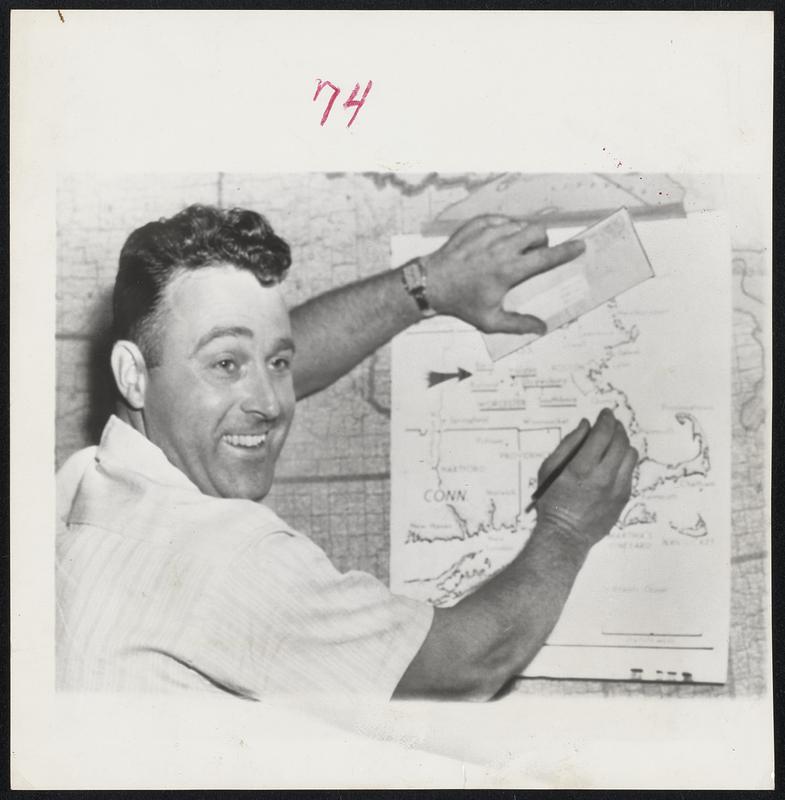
<point>465,455</point>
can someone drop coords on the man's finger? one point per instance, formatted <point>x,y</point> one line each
<point>510,322</point>
<point>617,449</point>
<point>520,241</point>
<point>477,225</point>
<point>623,482</point>
<point>565,447</point>
<point>542,259</point>
<point>596,442</point>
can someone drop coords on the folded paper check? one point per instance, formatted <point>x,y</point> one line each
<point>614,261</point>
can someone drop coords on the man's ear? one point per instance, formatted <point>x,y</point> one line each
<point>130,373</point>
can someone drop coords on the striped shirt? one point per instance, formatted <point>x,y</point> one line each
<point>160,586</point>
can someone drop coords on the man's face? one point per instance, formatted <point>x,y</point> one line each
<point>221,401</point>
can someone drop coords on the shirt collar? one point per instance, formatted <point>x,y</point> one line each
<point>123,446</point>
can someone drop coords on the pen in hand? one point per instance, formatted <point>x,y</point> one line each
<point>543,487</point>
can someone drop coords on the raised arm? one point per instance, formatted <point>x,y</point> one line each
<point>466,278</point>
<point>475,647</point>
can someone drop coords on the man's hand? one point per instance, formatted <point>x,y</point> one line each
<point>471,273</point>
<point>477,645</point>
<point>585,501</point>
<point>467,278</point>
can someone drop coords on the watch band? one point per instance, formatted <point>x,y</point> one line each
<point>415,280</point>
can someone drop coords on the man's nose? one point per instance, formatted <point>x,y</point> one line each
<point>260,395</point>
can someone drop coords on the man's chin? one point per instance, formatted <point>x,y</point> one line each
<point>255,494</point>
<point>238,489</point>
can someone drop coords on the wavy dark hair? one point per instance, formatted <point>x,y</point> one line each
<point>199,236</point>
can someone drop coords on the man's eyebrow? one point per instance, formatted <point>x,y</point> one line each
<point>283,343</point>
<point>218,331</point>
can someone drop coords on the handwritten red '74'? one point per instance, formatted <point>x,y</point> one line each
<point>352,102</point>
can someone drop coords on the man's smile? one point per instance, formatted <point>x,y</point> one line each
<point>245,440</point>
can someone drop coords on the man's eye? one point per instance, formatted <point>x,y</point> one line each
<point>226,365</point>
<point>281,363</point>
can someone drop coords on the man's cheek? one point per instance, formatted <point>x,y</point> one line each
<point>206,407</point>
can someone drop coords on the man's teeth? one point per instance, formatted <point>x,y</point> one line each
<point>245,440</point>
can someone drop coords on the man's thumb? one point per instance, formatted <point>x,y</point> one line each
<point>510,322</point>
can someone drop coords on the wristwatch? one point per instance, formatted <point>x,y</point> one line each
<point>415,280</point>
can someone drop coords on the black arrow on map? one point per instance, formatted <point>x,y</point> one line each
<point>438,377</point>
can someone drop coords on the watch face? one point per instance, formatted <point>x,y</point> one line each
<point>422,302</point>
<point>414,280</point>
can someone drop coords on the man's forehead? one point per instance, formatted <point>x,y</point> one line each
<point>225,296</point>
<point>218,284</point>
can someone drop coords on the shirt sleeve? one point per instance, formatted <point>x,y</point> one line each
<point>284,620</point>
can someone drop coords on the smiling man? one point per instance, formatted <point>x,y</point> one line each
<point>216,392</point>
<point>171,571</point>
